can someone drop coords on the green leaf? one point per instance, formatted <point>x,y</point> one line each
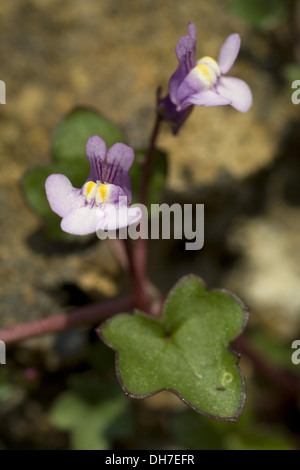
<point>192,431</point>
<point>71,136</point>
<point>185,352</point>
<point>69,159</point>
<point>157,178</point>
<point>67,411</point>
<point>92,411</point>
<point>266,14</point>
<point>91,426</point>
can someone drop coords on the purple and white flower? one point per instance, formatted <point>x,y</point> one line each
<point>103,201</point>
<point>204,83</point>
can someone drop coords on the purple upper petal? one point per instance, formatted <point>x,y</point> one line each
<point>187,43</point>
<point>96,152</point>
<point>119,160</point>
<point>237,91</point>
<point>61,195</point>
<point>185,51</point>
<point>229,52</point>
<point>111,167</point>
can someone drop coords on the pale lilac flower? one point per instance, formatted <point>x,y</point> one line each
<point>204,83</point>
<point>103,201</point>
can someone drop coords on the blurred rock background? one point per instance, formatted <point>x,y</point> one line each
<point>113,55</point>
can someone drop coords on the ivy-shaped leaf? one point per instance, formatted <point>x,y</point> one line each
<point>92,411</point>
<point>186,351</point>
<point>68,148</point>
<point>72,134</point>
<point>89,424</point>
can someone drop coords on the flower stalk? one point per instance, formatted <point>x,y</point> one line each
<point>86,315</point>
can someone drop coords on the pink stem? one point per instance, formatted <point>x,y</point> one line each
<point>141,245</point>
<point>81,316</point>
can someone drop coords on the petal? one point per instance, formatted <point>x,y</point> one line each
<point>82,221</point>
<point>118,216</point>
<point>192,91</point>
<point>186,43</point>
<point>206,98</point>
<point>192,30</point>
<point>237,91</point>
<point>190,85</point>
<point>61,195</point>
<point>96,152</point>
<point>119,160</point>
<point>185,51</point>
<point>229,52</point>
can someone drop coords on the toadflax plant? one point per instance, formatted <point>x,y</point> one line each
<point>204,83</point>
<point>102,202</point>
<point>184,343</point>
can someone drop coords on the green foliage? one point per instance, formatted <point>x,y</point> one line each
<point>186,351</point>
<point>263,14</point>
<point>157,178</point>
<point>273,348</point>
<point>194,432</point>
<point>291,73</point>
<point>71,136</point>
<point>69,158</point>
<point>6,389</point>
<point>93,412</point>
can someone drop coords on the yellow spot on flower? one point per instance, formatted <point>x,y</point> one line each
<point>89,187</point>
<point>88,190</point>
<point>103,192</point>
<point>208,71</point>
<point>204,71</point>
<point>209,61</point>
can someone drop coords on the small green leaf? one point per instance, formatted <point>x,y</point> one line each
<point>157,178</point>
<point>91,425</point>
<point>71,136</point>
<point>69,159</point>
<point>67,411</point>
<point>266,14</point>
<point>185,352</point>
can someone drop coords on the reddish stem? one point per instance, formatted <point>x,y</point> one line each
<point>141,251</point>
<point>138,286</point>
<point>148,161</point>
<point>81,316</point>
